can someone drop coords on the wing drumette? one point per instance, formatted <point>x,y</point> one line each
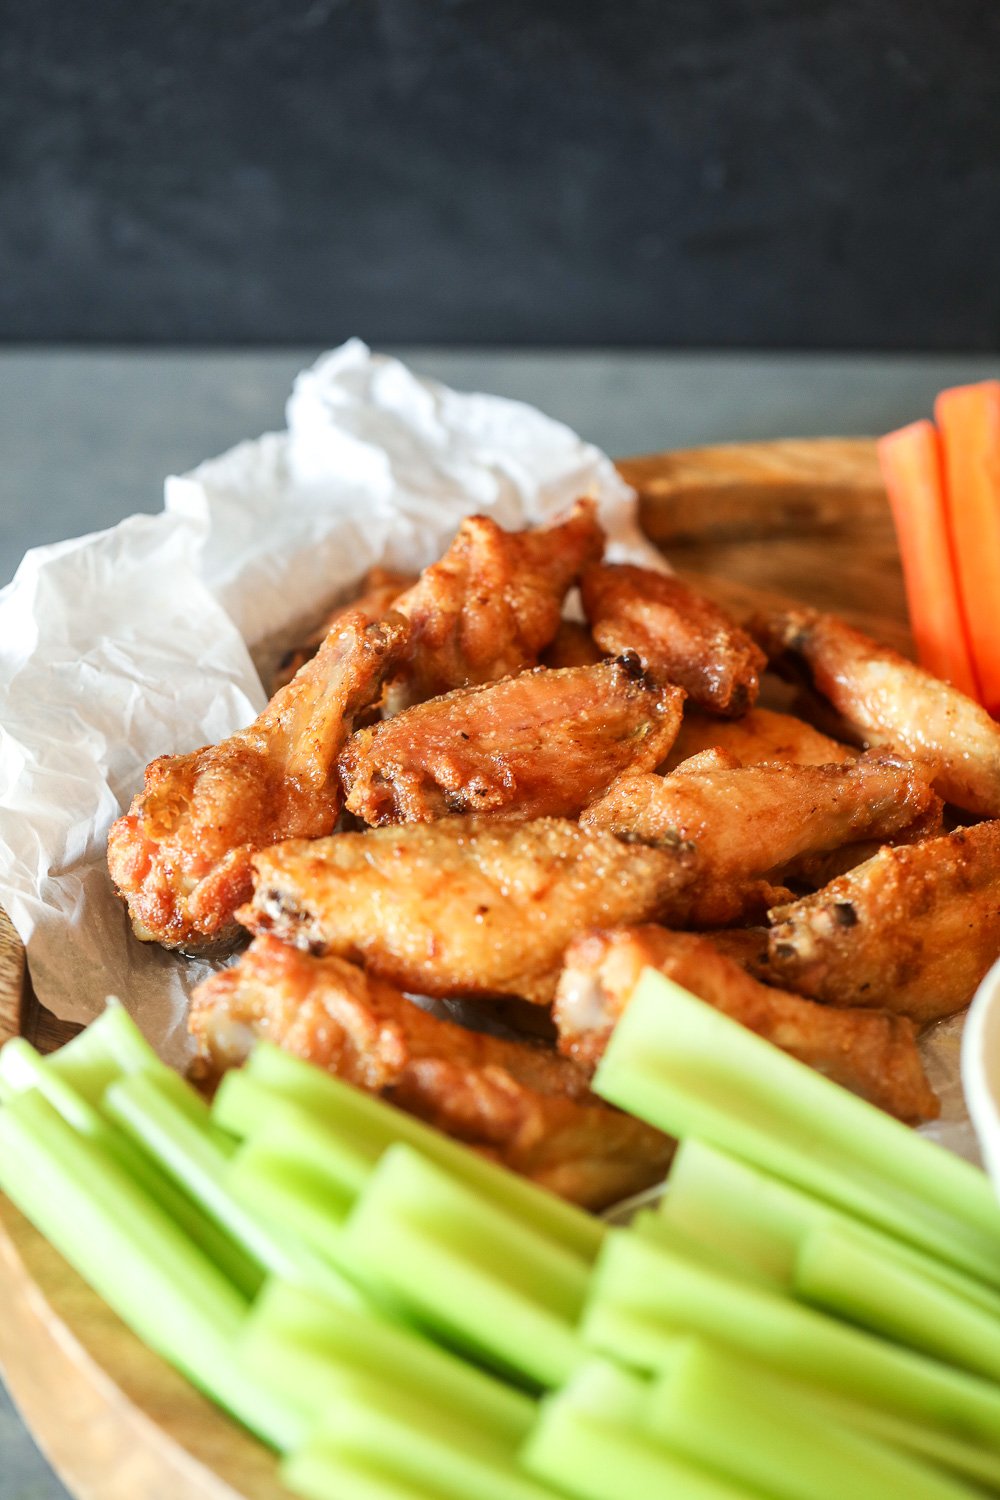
<point>542,744</point>
<point>680,635</point>
<point>887,701</point>
<point>518,1102</point>
<point>180,856</point>
<point>870,1052</point>
<point>492,603</point>
<point>460,907</point>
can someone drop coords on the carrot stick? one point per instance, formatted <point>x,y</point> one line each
<point>969,421</point>
<point>912,469</point>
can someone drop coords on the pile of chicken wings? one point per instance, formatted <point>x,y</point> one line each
<point>458,793</point>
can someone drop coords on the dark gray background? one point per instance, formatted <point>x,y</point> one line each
<point>777,173</point>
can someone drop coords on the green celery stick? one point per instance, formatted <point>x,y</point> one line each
<point>298,1341</point>
<point>149,1109</point>
<point>593,1456</point>
<point>467,1269</point>
<point>320,1473</point>
<point>685,1067</point>
<point>644,1294</point>
<point>348,1109</point>
<point>757,1221</point>
<point>607,1390</point>
<point>337,1164</point>
<point>769,1439</point>
<point>119,1239</point>
<point>837,1270</point>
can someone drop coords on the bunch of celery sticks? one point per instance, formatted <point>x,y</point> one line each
<point>812,1311</point>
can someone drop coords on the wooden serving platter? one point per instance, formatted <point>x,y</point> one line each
<point>755,525</point>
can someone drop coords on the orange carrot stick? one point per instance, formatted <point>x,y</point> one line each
<point>969,420</point>
<point>911,467</point>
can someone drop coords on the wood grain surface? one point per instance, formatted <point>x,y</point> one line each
<point>753,524</point>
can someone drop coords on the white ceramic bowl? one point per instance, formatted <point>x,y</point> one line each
<point>981,1069</point>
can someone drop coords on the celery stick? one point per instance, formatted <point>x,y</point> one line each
<point>336,1163</point>
<point>124,1245</point>
<point>320,1473</point>
<point>349,1110</point>
<point>467,1269</point>
<point>837,1270</point>
<point>298,1341</point>
<point>785,1447</point>
<point>593,1456</point>
<point>663,1292</point>
<point>147,1107</point>
<point>685,1067</point>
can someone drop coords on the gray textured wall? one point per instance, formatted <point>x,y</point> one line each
<point>723,172</point>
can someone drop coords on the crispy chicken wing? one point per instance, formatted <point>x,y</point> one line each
<point>887,701</point>
<point>542,744</point>
<point>492,603</point>
<point>679,634</point>
<point>761,735</point>
<point>573,646</point>
<point>180,856</point>
<point>750,822</point>
<point>379,591</point>
<point>459,907</point>
<point>518,1102</point>
<point>870,1052</point>
<point>913,930</point>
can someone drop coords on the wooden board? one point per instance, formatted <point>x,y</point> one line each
<point>753,524</point>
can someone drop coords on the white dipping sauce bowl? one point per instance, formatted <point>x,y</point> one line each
<point>981,1069</point>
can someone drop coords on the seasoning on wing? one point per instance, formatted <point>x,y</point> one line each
<point>761,735</point>
<point>460,908</point>
<point>887,701</point>
<point>492,603</point>
<point>870,1052</point>
<point>379,592</point>
<point>518,1102</point>
<point>914,929</point>
<point>180,857</point>
<point>679,634</point>
<point>749,822</point>
<point>542,744</point>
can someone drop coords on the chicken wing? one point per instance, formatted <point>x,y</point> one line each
<point>522,1104</point>
<point>573,646</point>
<point>749,823</point>
<point>914,929</point>
<point>180,857</point>
<point>459,907</point>
<point>870,1052</point>
<point>379,591</point>
<point>679,635</point>
<point>542,744</point>
<point>887,701</point>
<point>493,601</point>
<point>761,735</point>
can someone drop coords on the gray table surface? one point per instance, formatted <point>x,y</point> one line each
<point>87,438</point>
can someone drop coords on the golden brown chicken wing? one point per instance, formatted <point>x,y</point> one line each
<point>460,907</point>
<point>492,603</point>
<point>542,744</point>
<point>913,930</point>
<point>379,591</point>
<point>877,1059</point>
<point>679,635</point>
<point>750,822</point>
<point>180,856</point>
<point>517,1102</point>
<point>761,735</point>
<point>887,701</point>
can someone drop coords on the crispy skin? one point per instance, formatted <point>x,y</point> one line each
<point>913,930</point>
<point>542,744</point>
<point>679,634</point>
<point>520,1103</point>
<point>761,735</point>
<point>460,908</point>
<point>887,701</point>
<point>180,856</point>
<point>574,646</point>
<point>750,822</point>
<point>493,601</point>
<point>379,591</point>
<point>870,1052</point>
